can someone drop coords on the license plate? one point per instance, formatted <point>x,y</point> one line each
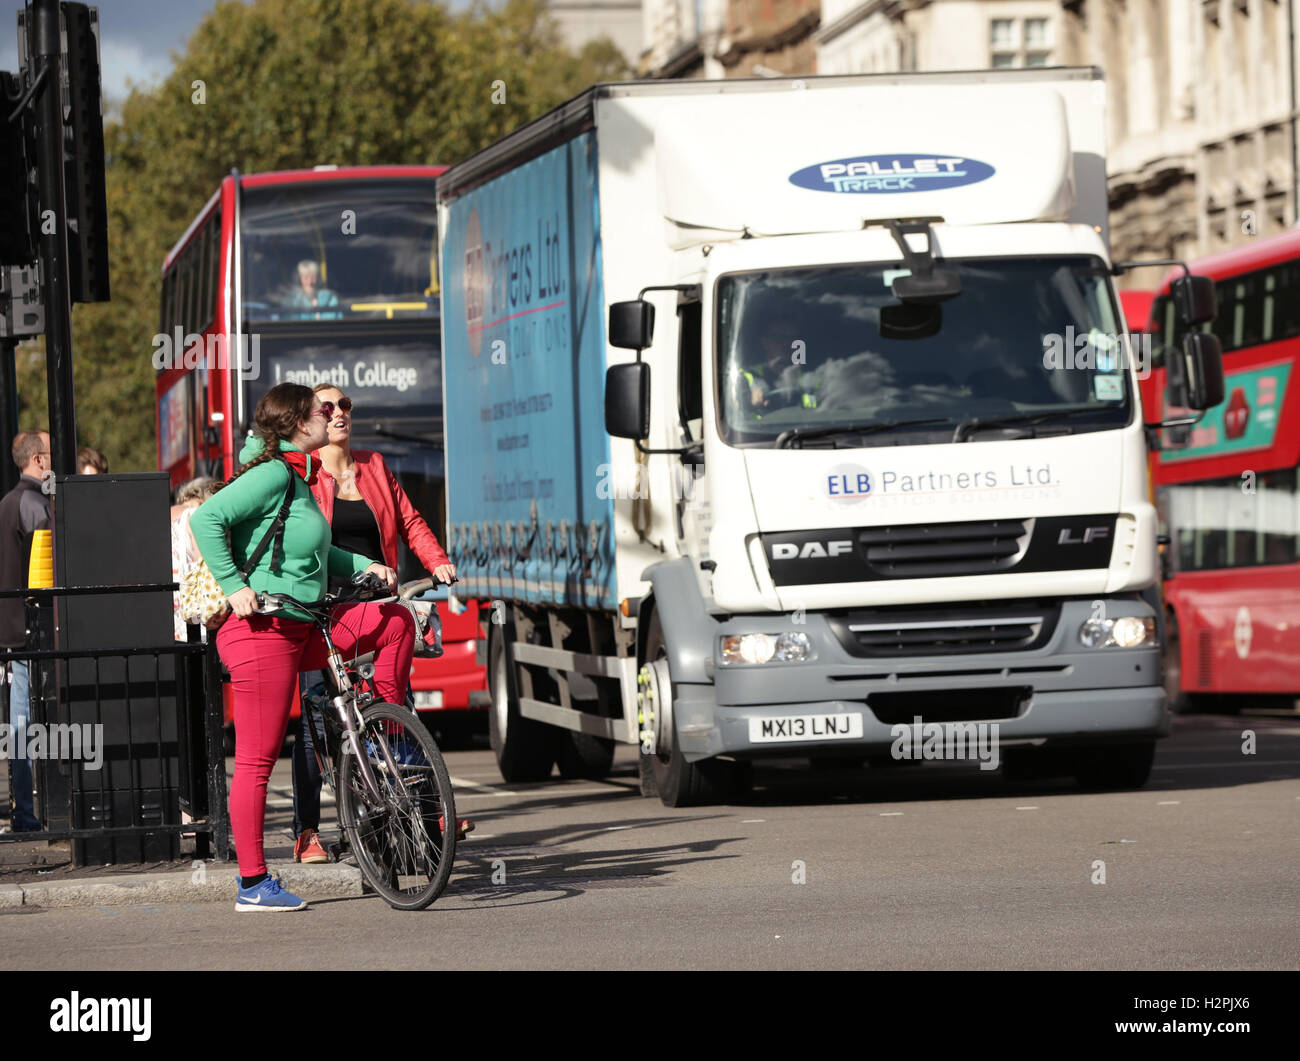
<point>804,727</point>
<point>428,698</point>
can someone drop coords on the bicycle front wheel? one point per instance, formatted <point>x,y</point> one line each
<point>404,833</point>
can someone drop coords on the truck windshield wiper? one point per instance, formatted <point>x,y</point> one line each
<point>800,433</point>
<point>965,428</point>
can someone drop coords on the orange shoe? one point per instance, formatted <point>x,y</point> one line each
<point>308,848</point>
<point>463,826</point>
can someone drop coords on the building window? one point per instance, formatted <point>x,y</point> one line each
<point>1004,33</point>
<point>1011,44</point>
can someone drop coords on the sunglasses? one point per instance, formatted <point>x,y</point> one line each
<point>327,408</point>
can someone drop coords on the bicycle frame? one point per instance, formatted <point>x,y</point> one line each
<point>347,697</point>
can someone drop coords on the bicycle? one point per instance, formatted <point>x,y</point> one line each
<point>393,791</point>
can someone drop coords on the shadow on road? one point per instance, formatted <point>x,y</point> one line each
<point>542,866</point>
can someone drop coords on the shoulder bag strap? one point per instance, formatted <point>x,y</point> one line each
<point>275,531</point>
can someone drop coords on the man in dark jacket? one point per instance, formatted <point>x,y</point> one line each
<point>24,510</point>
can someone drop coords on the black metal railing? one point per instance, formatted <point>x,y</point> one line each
<point>132,740</point>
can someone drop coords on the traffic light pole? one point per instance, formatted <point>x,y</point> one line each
<point>54,236</point>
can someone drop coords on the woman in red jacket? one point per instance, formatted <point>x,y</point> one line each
<point>366,509</point>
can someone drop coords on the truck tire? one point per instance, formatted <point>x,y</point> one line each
<point>1115,766</point>
<point>524,747</point>
<point>677,782</point>
<point>580,755</point>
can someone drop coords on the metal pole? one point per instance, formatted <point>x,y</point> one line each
<point>8,413</point>
<point>54,237</point>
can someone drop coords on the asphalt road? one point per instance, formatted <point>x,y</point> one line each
<point>916,867</point>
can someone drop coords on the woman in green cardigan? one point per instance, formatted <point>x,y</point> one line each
<point>265,653</point>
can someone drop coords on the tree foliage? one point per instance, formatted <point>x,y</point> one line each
<point>288,84</point>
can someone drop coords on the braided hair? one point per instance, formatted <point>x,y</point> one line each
<point>277,417</point>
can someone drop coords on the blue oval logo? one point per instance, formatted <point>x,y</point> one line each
<point>885,174</point>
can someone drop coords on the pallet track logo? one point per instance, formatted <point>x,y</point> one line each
<point>884,174</point>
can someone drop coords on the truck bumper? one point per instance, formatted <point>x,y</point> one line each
<point>1060,693</point>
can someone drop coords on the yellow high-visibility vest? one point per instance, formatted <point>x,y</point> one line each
<point>808,401</point>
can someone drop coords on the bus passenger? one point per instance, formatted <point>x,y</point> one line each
<point>310,297</point>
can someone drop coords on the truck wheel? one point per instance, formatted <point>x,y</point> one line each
<point>582,755</point>
<point>1115,766</point>
<point>677,782</point>
<point>524,747</point>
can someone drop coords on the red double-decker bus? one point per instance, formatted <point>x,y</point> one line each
<point>1227,490</point>
<point>234,322</point>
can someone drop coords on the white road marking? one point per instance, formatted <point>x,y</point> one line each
<point>464,783</point>
<point>753,821</point>
<point>1026,808</point>
<point>1169,802</point>
<point>891,814</point>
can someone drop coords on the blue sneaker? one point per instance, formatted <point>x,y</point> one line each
<point>269,895</point>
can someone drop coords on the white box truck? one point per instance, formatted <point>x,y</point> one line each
<point>797,418</point>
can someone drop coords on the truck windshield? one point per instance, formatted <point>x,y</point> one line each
<point>1029,346</point>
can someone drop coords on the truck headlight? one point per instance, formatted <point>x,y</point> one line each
<point>767,648</point>
<point>1129,631</point>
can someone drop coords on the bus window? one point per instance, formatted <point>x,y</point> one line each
<point>1219,525</point>
<point>326,249</point>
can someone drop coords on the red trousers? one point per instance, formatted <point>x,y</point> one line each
<point>264,655</point>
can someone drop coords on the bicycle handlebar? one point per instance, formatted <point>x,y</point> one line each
<point>362,585</point>
<point>419,586</point>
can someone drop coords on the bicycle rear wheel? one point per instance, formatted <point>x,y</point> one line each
<point>404,843</point>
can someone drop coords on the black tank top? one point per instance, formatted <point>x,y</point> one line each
<point>355,529</point>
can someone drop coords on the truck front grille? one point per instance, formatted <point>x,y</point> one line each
<point>967,628</point>
<point>925,550</point>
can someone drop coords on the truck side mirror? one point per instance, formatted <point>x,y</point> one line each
<point>1194,299</point>
<point>1203,372</point>
<point>627,398</point>
<point>631,324</point>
